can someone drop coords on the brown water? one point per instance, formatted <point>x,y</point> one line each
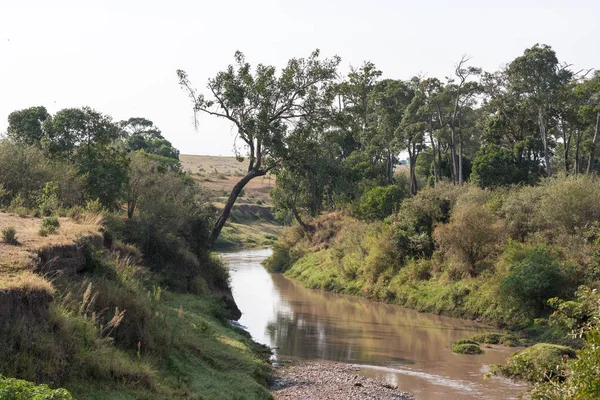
<point>401,346</point>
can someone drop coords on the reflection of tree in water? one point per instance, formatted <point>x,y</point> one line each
<point>321,325</point>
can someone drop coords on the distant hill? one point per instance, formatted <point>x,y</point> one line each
<point>219,175</point>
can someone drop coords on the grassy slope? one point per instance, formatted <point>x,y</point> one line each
<point>188,349</point>
<point>251,223</point>
<point>208,359</point>
<point>343,253</point>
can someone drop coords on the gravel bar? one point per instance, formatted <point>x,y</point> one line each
<point>328,380</point>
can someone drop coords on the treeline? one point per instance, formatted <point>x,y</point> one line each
<point>531,119</point>
<point>80,160</point>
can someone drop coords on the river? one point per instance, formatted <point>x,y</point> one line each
<point>398,345</point>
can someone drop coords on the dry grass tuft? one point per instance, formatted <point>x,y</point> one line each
<point>26,282</point>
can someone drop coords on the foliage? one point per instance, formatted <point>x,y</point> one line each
<point>465,346</point>
<point>533,281</point>
<point>16,389</point>
<point>538,363</point>
<point>494,166</point>
<point>379,202</point>
<point>471,236</point>
<point>49,226</point>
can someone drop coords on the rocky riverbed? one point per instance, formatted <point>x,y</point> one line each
<point>328,380</point>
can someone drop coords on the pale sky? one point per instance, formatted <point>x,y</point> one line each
<point>120,57</point>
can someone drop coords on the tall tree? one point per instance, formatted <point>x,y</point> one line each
<point>539,76</point>
<point>266,109</point>
<point>389,99</point>
<point>461,91</point>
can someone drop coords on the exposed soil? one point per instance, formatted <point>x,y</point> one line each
<point>328,380</point>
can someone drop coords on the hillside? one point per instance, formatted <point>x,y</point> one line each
<point>252,222</point>
<point>80,309</point>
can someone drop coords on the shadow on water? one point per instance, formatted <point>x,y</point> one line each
<point>401,346</point>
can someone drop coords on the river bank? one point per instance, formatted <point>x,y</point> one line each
<point>326,380</point>
<point>391,344</point>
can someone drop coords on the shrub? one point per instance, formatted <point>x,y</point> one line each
<point>9,235</point>
<point>465,346</point>
<point>49,226</point>
<point>473,233</point>
<point>533,281</point>
<point>16,389</point>
<point>379,202</point>
<point>541,362</point>
<point>48,201</point>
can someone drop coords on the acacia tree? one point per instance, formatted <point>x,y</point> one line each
<point>265,108</point>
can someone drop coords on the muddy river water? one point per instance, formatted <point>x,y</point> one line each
<point>401,346</point>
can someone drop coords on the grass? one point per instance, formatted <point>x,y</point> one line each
<point>17,262</point>
<point>220,174</point>
<point>205,358</point>
<point>111,332</point>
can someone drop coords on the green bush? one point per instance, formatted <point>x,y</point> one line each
<point>494,166</point>
<point>466,346</point>
<point>16,389</point>
<point>9,235</point>
<point>49,226</point>
<point>48,202</point>
<point>532,282</point>
<point>538,363</point>
<point>379,202</point>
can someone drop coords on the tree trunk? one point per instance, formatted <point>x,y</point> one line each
<point>435,174</point>
<point>390,167</point>
<point>592,159</point>
<point>460,159</point>
<point>543,134</point>
<point>235,192</point>
<point>411,169</point>
<point>566,144</point>
<point>306,227</point>
<point>577,144</point>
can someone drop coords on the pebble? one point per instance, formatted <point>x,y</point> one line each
<point>329,380</point>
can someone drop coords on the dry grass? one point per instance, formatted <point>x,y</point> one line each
<point>16,262</point>
<point>220,174</point>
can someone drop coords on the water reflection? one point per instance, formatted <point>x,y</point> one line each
<point>404,347</point>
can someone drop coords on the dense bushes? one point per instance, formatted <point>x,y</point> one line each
<point>379,202</point>
<point>492,254</point>
<point>531,282</point>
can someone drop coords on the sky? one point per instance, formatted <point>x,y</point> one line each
<point>120,57</point>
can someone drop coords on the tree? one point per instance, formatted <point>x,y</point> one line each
<point>461,93</point>
<point>266,110</point>
<point>142,134</point>
<point>589,112</point>
<point>389,99</point>
<point>539,76</point>
<point>87,138</point>
<point>494,166</point>
<point>74,131</point>
<point>25,126</point>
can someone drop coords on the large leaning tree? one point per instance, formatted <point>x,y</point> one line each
<point>266,108</point>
